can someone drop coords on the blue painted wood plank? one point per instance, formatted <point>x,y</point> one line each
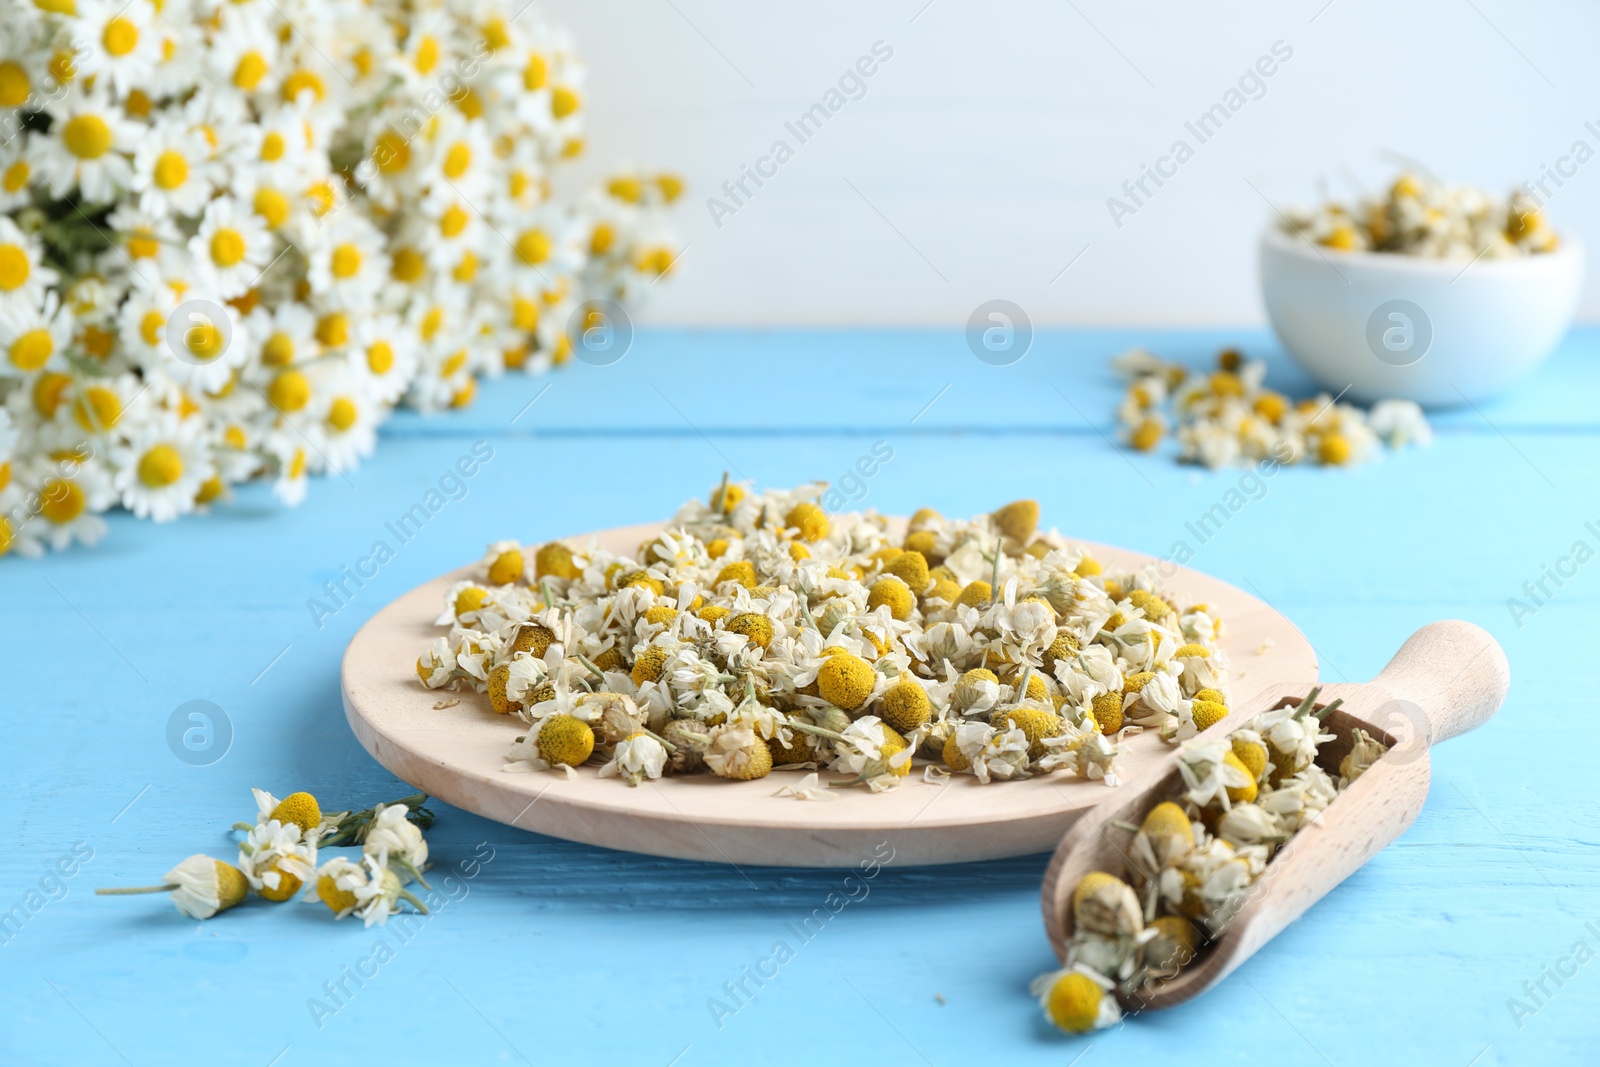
<point>557,951</point>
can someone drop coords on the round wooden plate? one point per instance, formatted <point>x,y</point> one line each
<point>457,754</point>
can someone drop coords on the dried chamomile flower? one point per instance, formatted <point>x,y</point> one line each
<point>636,758</point>
<point>737,752</point>
<point>1419,216</point>
<point>1076,1000</point>
<point>1082,750</point>
<point>824,636</point>
<point>1193,880</point>
<point>368,890</point>
<point>1174,943</point>
<point>811,787</point>
<point>200,887</point>
<point>276,859</point>
<point>394,841</point>
<point>1105,904</point>
<point>1365,750</point>
<point>1230,418</point>
<point>1164,839</point>
<point>988,753</point>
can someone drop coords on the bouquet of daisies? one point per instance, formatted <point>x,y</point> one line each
<point>234,234</point>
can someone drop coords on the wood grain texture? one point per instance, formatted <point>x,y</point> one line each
<point>1448,678</point>
<point>457,753</point>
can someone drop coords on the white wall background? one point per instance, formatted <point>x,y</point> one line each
<point>983,153</point>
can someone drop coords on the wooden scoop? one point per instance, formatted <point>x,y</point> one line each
<point>1448,678</point>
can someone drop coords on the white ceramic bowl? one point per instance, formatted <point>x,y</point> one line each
<point>1427,330</point>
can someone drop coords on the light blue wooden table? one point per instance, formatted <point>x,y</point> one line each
<point>552,952</point>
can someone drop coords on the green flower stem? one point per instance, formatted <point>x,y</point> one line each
<point>130,890</point>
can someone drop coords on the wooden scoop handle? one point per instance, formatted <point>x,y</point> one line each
<point>1449,677</point>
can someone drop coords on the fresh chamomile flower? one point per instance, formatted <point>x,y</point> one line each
<point>18,161</point>
<point>243,51</point>
<point>199,886</point>
<point>87,146</point>
<point>232,248</point>
<point>71,492</point>
<point>161,466</point>
<point>33,338</point>
<point>348,264</point>
<point>172,169</point>
<point>115,42</point>
<point>382,351</point>
<point>344,422</point>
<point>23,278</point>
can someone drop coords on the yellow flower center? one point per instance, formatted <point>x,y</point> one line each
<point>249,71</point>
<point>14,267</point>
<point>32,350</point>
<point>272,147</point>
<point>86,136</point>
<point>524,314</point>
<point>227,247</point>
<point>16,175</point>
<point>120,36</point>
<point>427,55</point>
<point>432,319</point>
<point>203,340</point>
<point>453,221</point>
<point>626,188</point>
<point>297,465</point>
<point>300,81</point>
<point>468,103</point>
<point>14,85</point>
<point>210,490</point>
<point>467,269</point>
<point>346,261</point>
<point>601,240</point>
<point>172,170</point>
<point>138,104</point>
<point>289,392</point>
<point>535,73</point>
<point>150,326</point>
<point>235,437</point>
<point>563,102</point>
<point>333,329</point>
<point>457,160</point>
<point>47,390</point>
<point>96,342</point>
<point>533,247</point>
<point>278,351</point>
<point>62,67</point>
<point>342,413</point>
<point>142,244</point>
<point>453,364</point>
<point>391,152</point>
<point>98,409</point>
<point>272,206</point>
<point>380,357</point>
<point>408,265</point>
<point>160,467</point>
<point>495,34</point>
<point>61,501</point>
